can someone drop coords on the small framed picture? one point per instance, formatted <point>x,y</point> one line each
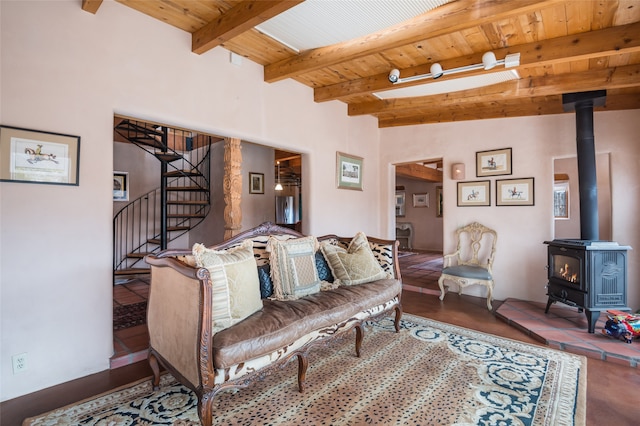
<point>493,163</point>
<point>514,192</point>
<point>348,171</point>
<point>34,156</point>
<point>471,194</point>
<point>256,183</point>
<point>120,186</point>
<point>420,200</point>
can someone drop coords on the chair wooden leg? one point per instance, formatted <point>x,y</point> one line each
<point>489,297</point>
<point>441,285</point>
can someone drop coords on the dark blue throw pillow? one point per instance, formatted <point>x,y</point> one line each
<point>324,273</point>
<point>266,285</point>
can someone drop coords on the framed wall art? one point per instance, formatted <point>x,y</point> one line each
<point>420,200</point>
<point>256,183</point>
<point>34,156</point>
<point>493,163</point>
<point>472,194</point>
<point>514,192</point>
<point>348,171</point>
<point>439,201</point>
<point>120,186</point>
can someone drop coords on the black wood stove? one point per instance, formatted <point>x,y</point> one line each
<point>591,275</point>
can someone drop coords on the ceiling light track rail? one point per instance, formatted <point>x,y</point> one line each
<point>489,61</point>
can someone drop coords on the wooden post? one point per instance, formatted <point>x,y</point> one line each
<point>232,187</point>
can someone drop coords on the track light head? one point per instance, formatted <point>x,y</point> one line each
<point>394,75</point>
<point>436,70</point>
<point>489,60</point>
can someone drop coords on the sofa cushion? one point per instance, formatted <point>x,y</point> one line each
<point>356,264</point>
<point>282,322</point>
<point>266,285</point>
<point>293,267</point>
<point>324,272</point>
<point>235,284</point>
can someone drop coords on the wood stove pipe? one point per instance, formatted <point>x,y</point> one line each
<point>582,103</point>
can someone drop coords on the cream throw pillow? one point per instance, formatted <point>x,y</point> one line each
<point>293,267</point>
<point>235,283</point>
<point>356,264</point>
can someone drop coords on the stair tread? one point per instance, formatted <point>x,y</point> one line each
<point>189,202</point>
<point>186,188</point>
<point>183,215</point>
<point>177,173</point>
<point>132,271</point>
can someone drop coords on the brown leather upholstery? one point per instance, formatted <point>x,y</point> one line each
<point>281,323</point>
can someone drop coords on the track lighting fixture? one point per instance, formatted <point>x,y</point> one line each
<point>394,75</point>
<point>489,61</point>
<point>278,185</point>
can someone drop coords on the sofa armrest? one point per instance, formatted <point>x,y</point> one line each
<point>174,315</point>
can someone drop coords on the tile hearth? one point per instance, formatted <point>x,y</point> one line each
<point>565,328</point>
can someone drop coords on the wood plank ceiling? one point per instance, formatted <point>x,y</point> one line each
<point>564,47</point>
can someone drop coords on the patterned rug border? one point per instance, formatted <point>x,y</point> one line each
<point>142,388</point>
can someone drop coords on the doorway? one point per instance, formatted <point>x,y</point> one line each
<point>418,206</point>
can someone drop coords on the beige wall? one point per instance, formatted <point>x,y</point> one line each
<point>427,227</point>
<point>521,255</point>
<point>65,70</point>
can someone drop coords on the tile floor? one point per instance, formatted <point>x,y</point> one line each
<point>130,344</point>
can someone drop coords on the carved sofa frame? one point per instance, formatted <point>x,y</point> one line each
<point>180,318</point>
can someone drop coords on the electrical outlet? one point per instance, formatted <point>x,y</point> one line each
<point>19,363</point>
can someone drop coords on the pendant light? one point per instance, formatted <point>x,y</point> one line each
<point>278,184</point>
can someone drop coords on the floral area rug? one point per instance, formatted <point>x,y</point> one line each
<point>129,315</point>
<point>429,374</point>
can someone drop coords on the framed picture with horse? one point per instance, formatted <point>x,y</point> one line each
<point>514,192</point>
<point>35,156</point>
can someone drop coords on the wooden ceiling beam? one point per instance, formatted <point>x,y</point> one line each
<point>451,17</point>
<point>242,17</point>
<point>537,106</point>
<point>418,171</point>
<point>611,41</point>
<point>601,79</point>
<point>91,6</point>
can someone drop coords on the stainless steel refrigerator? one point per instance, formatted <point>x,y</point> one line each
<point>285,210</point>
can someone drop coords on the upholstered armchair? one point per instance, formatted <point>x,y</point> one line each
<point>471,262</point>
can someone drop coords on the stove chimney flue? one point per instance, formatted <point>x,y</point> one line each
<point>582,103</point>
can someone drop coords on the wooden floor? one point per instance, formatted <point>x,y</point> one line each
<point>612,390</point>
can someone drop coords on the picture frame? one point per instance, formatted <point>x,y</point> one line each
<point>120,186</point>
<point>439,201</point>
<point>256,183</point>
<point>493,163</point>
<point>421,200</point>
<point>349,171</point>
<point>515,192</point>
<point>561,200</point>
<point>36,156</point>
<point>400,203</point>
<point>474,194</point>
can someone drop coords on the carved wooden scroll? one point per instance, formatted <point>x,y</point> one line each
<point>232,187</point>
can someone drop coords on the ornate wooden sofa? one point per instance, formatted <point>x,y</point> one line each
<point>208,352</point>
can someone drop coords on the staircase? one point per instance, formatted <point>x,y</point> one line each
<point>149,223</point>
